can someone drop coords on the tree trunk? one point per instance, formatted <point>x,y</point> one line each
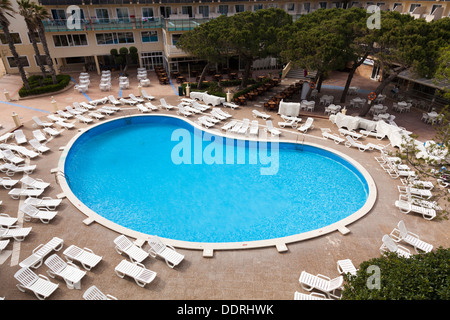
<point>12,48</point>
<point>41,33</point>
<point>350,76</point>
<point>246,74</point>
<point>381,87</point>
<point>36,50</point>
<point>202,76</point>
<point>319,80</point>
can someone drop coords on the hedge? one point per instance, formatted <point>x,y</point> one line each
<point>40,85</point>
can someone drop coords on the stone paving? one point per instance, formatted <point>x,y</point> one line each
<point>246,274</point>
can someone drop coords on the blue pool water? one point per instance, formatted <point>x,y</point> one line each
<point>129,172</point>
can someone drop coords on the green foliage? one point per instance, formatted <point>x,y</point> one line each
<point>40,85</point>
<point>420,277</point>
<point>114,52</point>
<point>123,51</point>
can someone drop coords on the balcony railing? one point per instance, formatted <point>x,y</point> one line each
<point>101,24</point>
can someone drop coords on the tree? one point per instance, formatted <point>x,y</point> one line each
<point>390,277</point>
<point>252,35</point>
<point>6,9</point>
<point>206,42</point>
<point>26,10</point>
<point>405,43</point>
<point>41,14</point>
<point>312,44</point>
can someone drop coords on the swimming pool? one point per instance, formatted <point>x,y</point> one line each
<point>140,173</point>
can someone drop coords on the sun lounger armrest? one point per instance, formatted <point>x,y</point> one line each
<point>169,246</point>
<point>323,277</point>
<point>414,235</point>
<point>87,249</point>
<point>395,235</point>
<point>111,297</point>
<point>37,248</point>
<point>43,277</point>
<point>73,265</point>
<point>403,248</point>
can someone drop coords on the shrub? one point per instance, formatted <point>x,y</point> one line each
<point>420,277</point>
<point>39,85</point>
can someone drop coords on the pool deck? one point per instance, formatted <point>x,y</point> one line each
<point>269,273</point>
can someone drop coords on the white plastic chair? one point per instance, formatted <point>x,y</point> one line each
<point>165,251</point>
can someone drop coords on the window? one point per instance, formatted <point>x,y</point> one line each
<point>175,38</point>
<point>257,7</point>
<point>102,15</point>
<point>413,7</point>
<point>147,12</point>
<point>58,14</point>
<point>36,37</point>
<point>322,5</point>
<point>114,38</point>
<point>122,14</point>
<point>70,40</point>
<point>165,11</point>
<point>307,7</point>
<point>239,8</point>
<point>187,10</point>
<point>149,36</point>
<point>223,9</point>
<point>204,11</point>
<point>75,60</point>
<point>290,7</point>
<point>14,36</point>
<point>23,60</point>
<point>42,58</point>
<point>396,5</point>
<point>434,7</point>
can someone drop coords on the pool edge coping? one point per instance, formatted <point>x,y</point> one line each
<point>209,247</point>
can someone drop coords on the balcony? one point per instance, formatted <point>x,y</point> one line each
<point>101,24</point>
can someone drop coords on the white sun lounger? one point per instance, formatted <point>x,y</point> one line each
<point>407,207</point>
<point>137,271</point>
<point>34,183</point>
<point>236,127</point>
<point>165,251</point>
<point>16,193</point>
<point>7,182</point>
<point>113,100</point>
<point>64,114</point>
<point>85,256</point>
<point>64,124</point>
<point>229,125</point>
<point>36,145</point>
<point>146,95</point>
<point>165,105</point>
<point>93,293</point>
<point>328,135</point>
<point>427,185</point>
<point>39,136</point>
<point>402,234</point>
<point>270,128</point>
<point>52,132</point>
<point>128,101</point>
<point>40,285</point>
<point>31,212</point>
<point>311,296</point>
<point>10,169</point>
<point>6,220</point>
<point>222,113</point>
<point>142,108</point>
<point>182,111</point>
<point>288,123</point>
<point>254,128</point>
<point>307,125</point>
<point>45,202</point>
<point>374,134</point>
<point>205,122</point>
<point>30,154</point>
<point>16,232</point>
<point>86,106</point>
<point>105,111</point>
<point>230,105</point>
<point>134,98</point>
<point>99,101</point>
<point>134,252</point>
<point>321,283</point>
<point>73,111</point>
<point>20,136</point>
<point>3,244</point>
<point>96,115</point>
<point>151,106</point>
<point>353,134</point>
<point>390,246</point>
<point>41,123</point>
<point>212,119</point>
<point>346,266</point>
<point>198,106</point>
<point>423,193</point>
<point>6,136</point>
<point>8,155</point>
<point>263,115</point>
<point>36,258</point>
<point>352,143</point>
<point>84,119</point>
<point>245,125</point>
<point>71,274</point>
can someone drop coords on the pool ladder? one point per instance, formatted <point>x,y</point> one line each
<point>65,176</point>
<point>299,146</point>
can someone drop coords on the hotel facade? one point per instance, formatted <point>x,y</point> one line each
<point>81,33</point>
